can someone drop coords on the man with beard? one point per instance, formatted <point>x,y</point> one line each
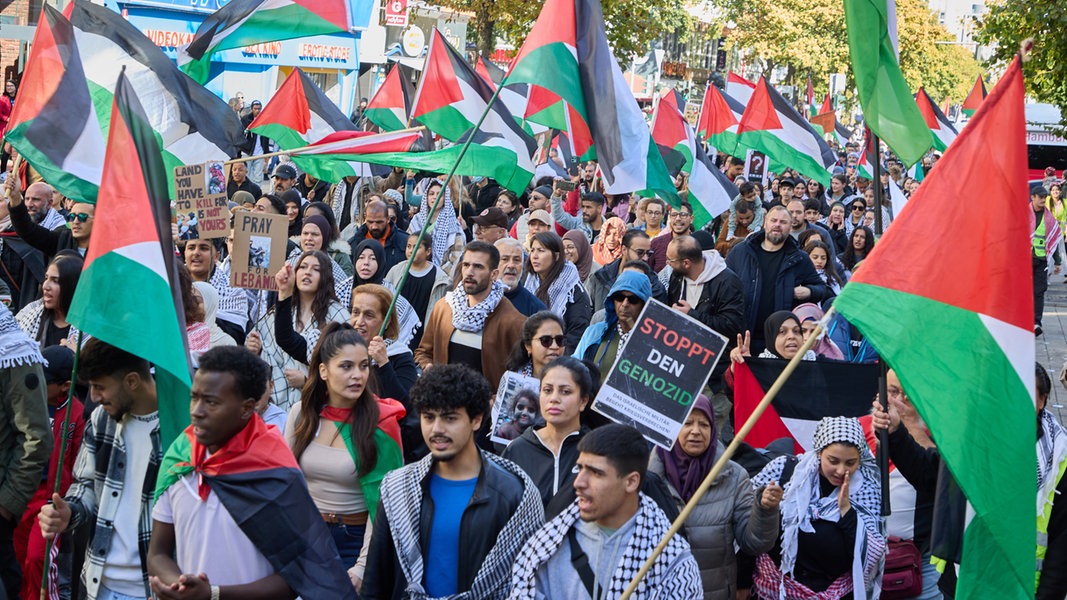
<point>775,272</point>
<point>474,324</point>
<point>114,474</point>
<point>376,225</point>
<point>24,265</point>
<point>512,263</point>
<point>239,181</point>
<point>680,221</point>
<point>49,241</point>
<point>601,341</point>
<point>453,522</point>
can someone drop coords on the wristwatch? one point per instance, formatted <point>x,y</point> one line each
<point>214,592</point>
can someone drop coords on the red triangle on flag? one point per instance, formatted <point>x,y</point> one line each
<point>288,107</point>
<point>715,114</point>
<point>391,94</point>
<point>668,125</point>
<point>760,114</point>
<point>558,23</point>
<point>926,105</point>
<point>974,99</point>
<point>42,76</point>
<point>827,106</point>
<point>439,86</point>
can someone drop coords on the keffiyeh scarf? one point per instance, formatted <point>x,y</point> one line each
<point>16,348</point>
<point>662,581</point>
<point>30,318</point>
<point>1051,452</point>
<point>561,291</point>
<point>445,226</point>
<point>401,495</point>
<point>803,503</point>
<point>472,318</point>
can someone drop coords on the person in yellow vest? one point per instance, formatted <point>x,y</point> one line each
<point>1044,237</point>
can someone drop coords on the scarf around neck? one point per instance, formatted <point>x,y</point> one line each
<point>685,473</point>
<point>560,291</point>
<point>16,348</point>
<point>472,318</point>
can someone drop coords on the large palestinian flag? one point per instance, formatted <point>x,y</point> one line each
<point>710,192</point>
<point>944,310</point>
<point>739,88</point>
<point>53,125</point>
<point>773,127</point>
<point>943,131</point>
<point>191,124</point>
<point>258,481</point>
<point>567,54</point>
<point>245,22</point>
<point>814,390</point>
<point>128,293</point>
<point>391,104</point>
<point>719,116</point>
<point>975,98</point>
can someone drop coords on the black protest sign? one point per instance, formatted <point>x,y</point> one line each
<point>659,373</point>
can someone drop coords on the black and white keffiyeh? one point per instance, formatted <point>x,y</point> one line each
<point>1051,453</point>
<point>561,291</point>
<point>52,220</point>
<point>233,302</point>
<point>406,317</point>
<point>472,318</point>
<point>445,226</point>
<point>30,319</point>
<point>803,503</point>
<point>674,574</point>
<point>401,496</point>
<point>17,348</point>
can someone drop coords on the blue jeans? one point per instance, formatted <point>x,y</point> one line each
<point>930,579</point>
<point>349,541</point>
<point>106,594</point>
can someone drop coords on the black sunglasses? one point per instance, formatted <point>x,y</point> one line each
<point>627,298</point>
<point>858,207</point>
<point>547,340</point>
<point>81,217</point>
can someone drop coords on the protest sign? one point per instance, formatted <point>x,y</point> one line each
<point>659,372</point>
<point>258,249</point>
<point>200,201</point>
<point>516,407</point>
<point>756,167</point>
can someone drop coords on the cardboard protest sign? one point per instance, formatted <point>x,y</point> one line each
<point>516,407</point>
<point>258,249</point>
<point>756,167</point>
<point>659,372</point>
<point>200,201</point>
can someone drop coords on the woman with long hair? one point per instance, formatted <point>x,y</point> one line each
<point>508,202</point>
<point>557,283</point>
<point>310,303</point>
<point>345,439</point>
<point>860,244</point>
<point>541,342</point>
<point>835,224</point>
<point>823,259</point>
<point>45,319</point>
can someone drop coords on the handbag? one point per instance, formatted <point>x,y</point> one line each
<point>903,576</point>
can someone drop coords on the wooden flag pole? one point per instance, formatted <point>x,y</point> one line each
<point>297,151</point>
<point>728,454</point>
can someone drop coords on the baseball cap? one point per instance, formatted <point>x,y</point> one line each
<point>60,361</point>
<point>1038,190</point>
<point>540,215</point>
<point>490,217</point>
<point>285,171</point>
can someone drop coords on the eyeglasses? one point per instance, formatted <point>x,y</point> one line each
<point>81,217</point>
<point>548,340</point>
<point>641,253</point>
<point>680,215</point>
<point>627,298</point>
<point>858,208</point>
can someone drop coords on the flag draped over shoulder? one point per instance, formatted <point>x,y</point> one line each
<point>245,22</point>
<point>128,295</point>
<point>53,125</point>
<point>191,124</point>
<point>883,93</point>
<point>258,481</point>
<point>390,107</point>
<point>944,311</point>
<point>710,192</point>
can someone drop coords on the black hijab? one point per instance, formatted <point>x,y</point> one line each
<point>379,255</point>
<point>771,327</point>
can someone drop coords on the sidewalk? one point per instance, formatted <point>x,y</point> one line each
<point>1051,348</point>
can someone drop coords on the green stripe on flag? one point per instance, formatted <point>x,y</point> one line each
<point>779,150</point>
<point>385,118</point>
<point>67,183</point>
<point>447,122</point>
<point>983,420</point>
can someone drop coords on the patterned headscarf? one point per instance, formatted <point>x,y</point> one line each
<point>824,347</point>
<point>612,231</point>
<point>445,226</point>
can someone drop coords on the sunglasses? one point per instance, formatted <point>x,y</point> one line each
<point>641,253</point>
<point>627,298</point>
<point>548,340</point>
<point>81,217</point>
<point>858,208</point>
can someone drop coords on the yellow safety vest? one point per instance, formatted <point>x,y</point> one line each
<point>1038,238</point>
<point>1042,524</point>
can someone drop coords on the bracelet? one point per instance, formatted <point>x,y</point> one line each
<point>215,592</point>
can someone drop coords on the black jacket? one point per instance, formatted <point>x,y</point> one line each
<point>602,279</point>
<point>532,456</point>
<point>721,307</point>
<point>49,242</point>
<point>395,246</point>
<point>245,185</point>
<point>497,495</point>
<point>796,269</point>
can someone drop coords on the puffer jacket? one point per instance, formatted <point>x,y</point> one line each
<point>729,512</point>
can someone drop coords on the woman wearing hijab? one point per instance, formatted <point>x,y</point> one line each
<point>833,542</point>
<point>444,228</point>
<point>784,336</point>
<point>578,252</point>
<point>728,513</point>
<point>211,309</point>
<point>608,246</point>
<point>556,283</point>
<point>369,262</point>
<point>809,315</point>
<point>319,233</point>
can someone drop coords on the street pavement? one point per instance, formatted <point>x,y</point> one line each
<point>1051,348</point>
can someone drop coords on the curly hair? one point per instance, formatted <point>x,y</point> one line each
<point>450,387</point>
<point>249,372</point>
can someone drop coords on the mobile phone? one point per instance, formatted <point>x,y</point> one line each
<point>566,186</point>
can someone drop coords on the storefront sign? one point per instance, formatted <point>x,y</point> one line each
<point>413,41</point>
<point>396,13</point>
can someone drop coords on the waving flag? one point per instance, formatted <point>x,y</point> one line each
<point>810,99</point>
<point>245,22</point>
<point>941,310</point>
<point>943,131</point>
<point>740,88</point>
<point>974,99</point>
<point>710,192</point>
<point>827,105</point>
<point>391,105</point>
<point>53,125</point>
<point>772,126</point>
<point>128,294</point>
<point>719,116</point>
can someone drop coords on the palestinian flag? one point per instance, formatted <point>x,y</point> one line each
<point>771,126</point>
<point>191,124</point>
<point>943,310</point>
<point>391,104</point>
<point>824,123</point>
<point>719,116</point>
<point>842,134</point>
<point>128,294</point>
<point>361,143</point>
<point>827,105</point>
<point>300,114</point>
<point>514,96</point>
<point>974,99</point>
<point>245,22</point>
<point>53,125</point>
<point>815,390</point>
<point>863,165</point>
<point>943,131</point>
<point>740,88</point>
<point>810,99</point>
<point>258,481</point>
<point>567,54</point>
<point>880,86</point>
<point>710,192</point>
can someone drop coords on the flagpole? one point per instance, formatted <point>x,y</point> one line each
<point>882,453</point>
<point>720,463</point>
<point>437,202</point>
<point>58,475</point>
<point>241,159</point>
